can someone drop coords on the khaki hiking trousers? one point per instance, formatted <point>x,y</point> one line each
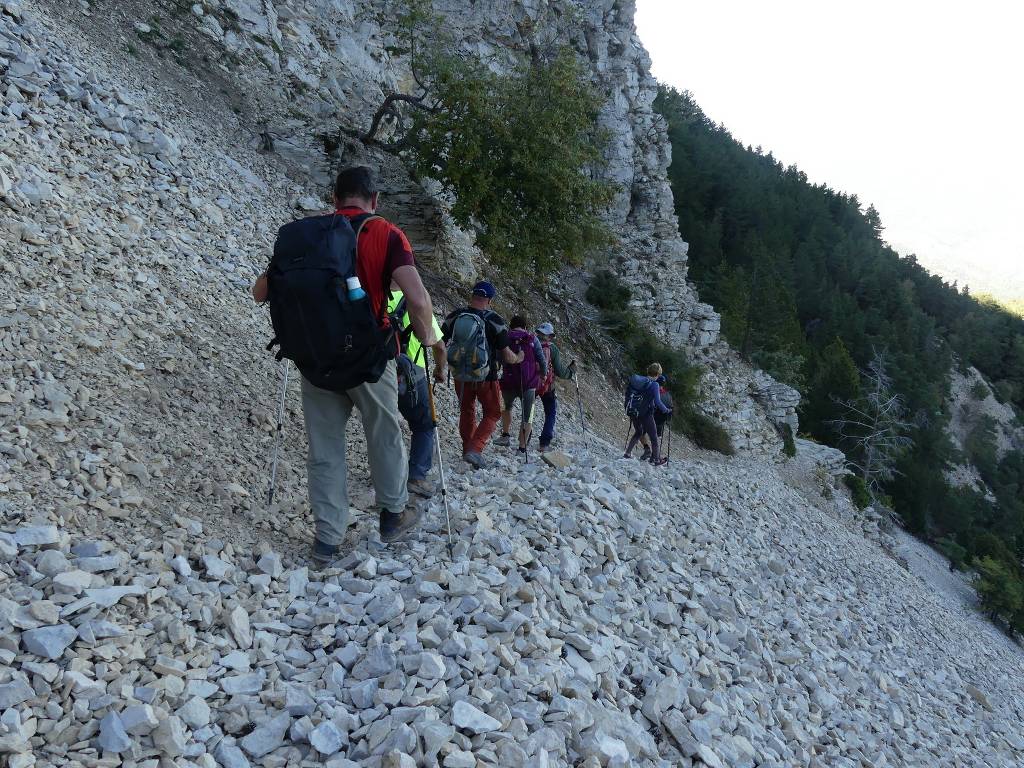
<point>326,415</point>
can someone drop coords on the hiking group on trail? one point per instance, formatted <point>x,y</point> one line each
<point>349,308</point>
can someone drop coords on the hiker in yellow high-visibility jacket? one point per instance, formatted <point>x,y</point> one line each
<point>414,405</point>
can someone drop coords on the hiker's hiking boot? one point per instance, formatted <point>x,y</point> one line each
<point>422,487</point>
<point>659,462</point>
<point>543,448</point>
<point>325,554</point>
<point>521,449</point>
<point>627,456</point>
<point>504,440</point>
<point>394,526</point>
<point>645,455</point>
<point>475,459</point>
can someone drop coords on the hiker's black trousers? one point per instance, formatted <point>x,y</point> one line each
<point>645,425</point>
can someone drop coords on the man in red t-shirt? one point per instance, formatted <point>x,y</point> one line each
<point>383,255</point>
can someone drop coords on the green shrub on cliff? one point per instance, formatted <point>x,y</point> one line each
<point>517,151</point>
<point>517,146</point>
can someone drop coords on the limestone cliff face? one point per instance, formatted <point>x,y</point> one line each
<point>305,66</point>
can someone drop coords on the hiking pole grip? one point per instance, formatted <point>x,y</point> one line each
<point>430,390</point>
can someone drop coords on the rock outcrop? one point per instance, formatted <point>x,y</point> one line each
<point>973,406</point>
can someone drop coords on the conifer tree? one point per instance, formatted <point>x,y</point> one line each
<point>835,377</point>
<point>1000,591</point>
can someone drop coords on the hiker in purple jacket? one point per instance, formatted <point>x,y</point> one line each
<point>642,398</point>
<point>519,381</point>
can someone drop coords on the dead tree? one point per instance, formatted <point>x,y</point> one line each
<point>412,22</point>
<point>875,426</point>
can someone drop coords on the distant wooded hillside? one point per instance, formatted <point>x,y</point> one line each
<point>809,291</point>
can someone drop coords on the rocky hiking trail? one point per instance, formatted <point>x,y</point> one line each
<point>155,612</point>
<point>604,613</point>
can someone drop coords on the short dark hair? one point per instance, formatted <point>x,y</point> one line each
<point>518,321</point>
<point>356,181</point>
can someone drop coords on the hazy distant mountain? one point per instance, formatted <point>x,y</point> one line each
<point>1004,281</point>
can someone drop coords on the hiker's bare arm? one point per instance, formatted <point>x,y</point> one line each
<point>440,360</point>
<point>260,289</point>
<point>418,304</point>
<point>511,357</point>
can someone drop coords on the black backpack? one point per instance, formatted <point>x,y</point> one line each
<point>336,343</point>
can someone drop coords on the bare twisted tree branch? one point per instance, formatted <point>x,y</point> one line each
<point>876,427</point>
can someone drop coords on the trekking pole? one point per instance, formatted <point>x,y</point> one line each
<point>280,429</point>
<point>522,404</point>
<point>440,459</point>
<point>579,402</point>
<point>668,453</point>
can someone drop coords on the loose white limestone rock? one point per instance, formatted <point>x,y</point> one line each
<point>270,564</point>
<point>113,737</point>
<point>169,736</point>
<point>326,738</point>
<point>49,642</point>
<point>195,713</point>
<point>139,719</point>
<point>469,718</point>
<point>238,624</point>
<point>267,737</point>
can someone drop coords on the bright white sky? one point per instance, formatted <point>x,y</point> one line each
<point>917,107</point>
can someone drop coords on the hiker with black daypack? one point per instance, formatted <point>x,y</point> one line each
<point>413,397</point>
<point>642,398</point>
<point>556,368</point>
<point>519,381</point>
<point>327,284</point>
<point>477,339</point>
<point>660,418</point>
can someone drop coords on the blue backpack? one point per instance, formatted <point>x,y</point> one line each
<point>469,355</point>
<point>639,396</point>
<point>336,343</point>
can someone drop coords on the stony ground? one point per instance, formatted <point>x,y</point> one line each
<point>600,614</point>
<point>155,611</point>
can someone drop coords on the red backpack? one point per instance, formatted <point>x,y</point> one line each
<point>549,378</point>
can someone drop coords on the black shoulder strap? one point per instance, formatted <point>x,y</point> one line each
<point>399,311</point>
<point>402,329</point>
<point>359,220</point>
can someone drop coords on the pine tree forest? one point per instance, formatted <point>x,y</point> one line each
<point>810,291</point>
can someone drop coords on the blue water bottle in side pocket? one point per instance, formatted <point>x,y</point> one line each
<point>355,289</point>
